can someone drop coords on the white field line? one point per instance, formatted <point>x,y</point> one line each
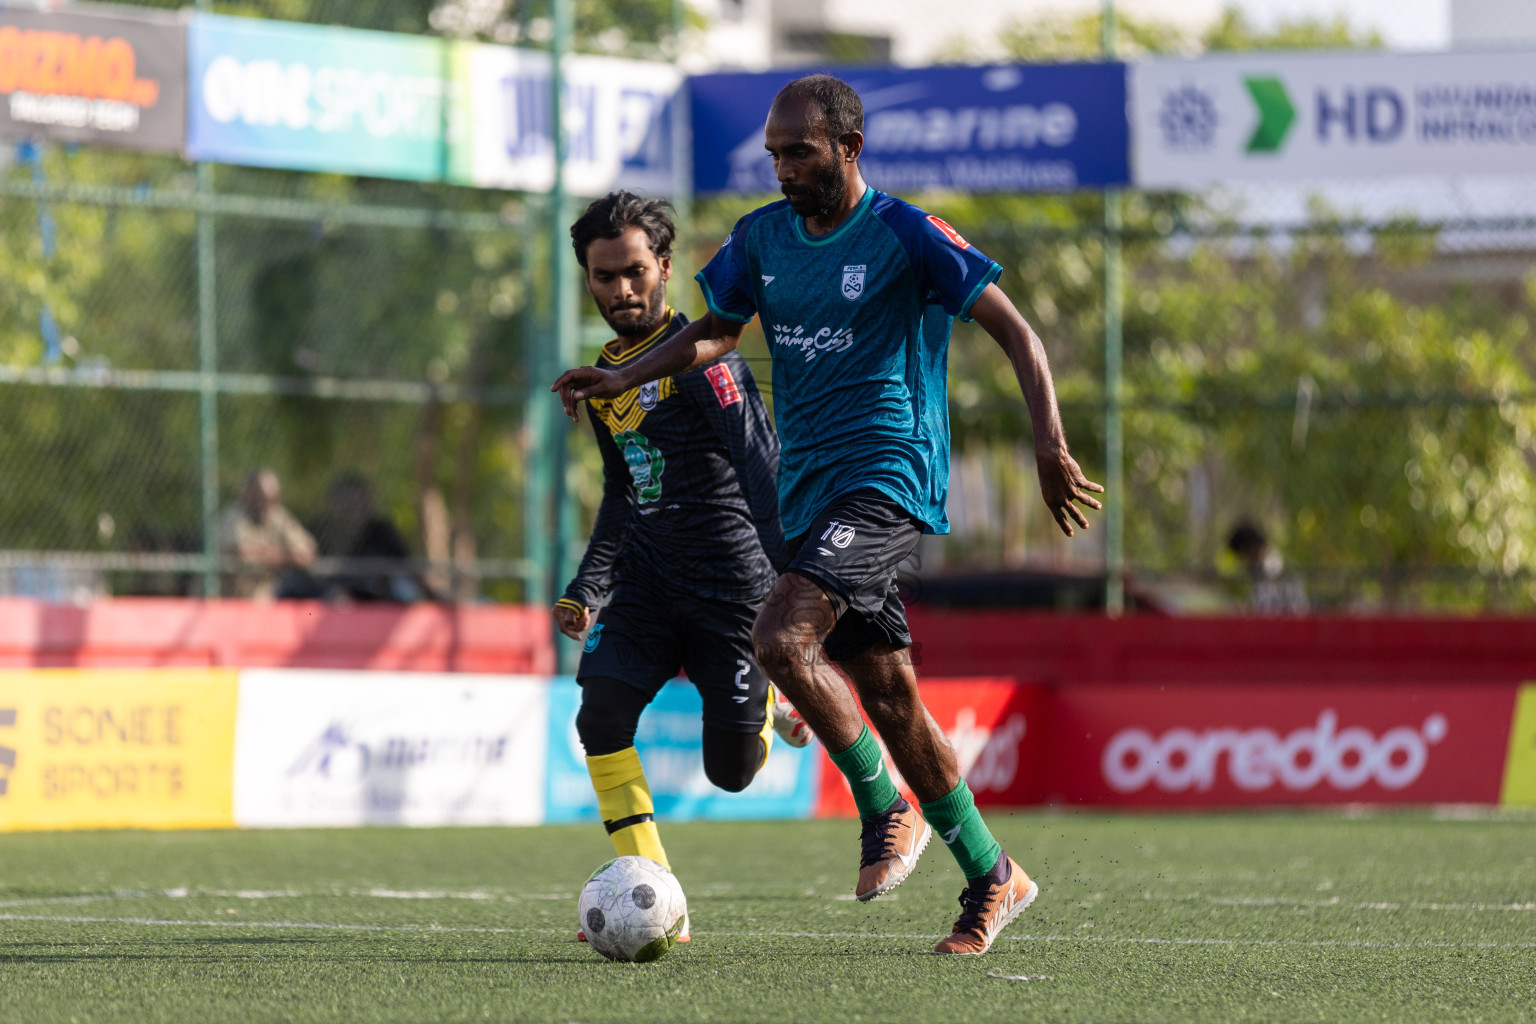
<point>462,930</point>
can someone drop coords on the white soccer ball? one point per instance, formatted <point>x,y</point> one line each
<point>632,909</point>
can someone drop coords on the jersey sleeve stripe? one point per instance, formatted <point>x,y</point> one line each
<point>991,275</point>
<point>714,306</point>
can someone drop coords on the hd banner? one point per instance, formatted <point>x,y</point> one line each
<point>1255,116</point>
<point>114,76</point>
<point>116,748</point>
<point>1036,128</point>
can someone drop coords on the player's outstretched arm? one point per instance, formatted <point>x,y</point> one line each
<point>1061,480</point>
<point>702,341</point>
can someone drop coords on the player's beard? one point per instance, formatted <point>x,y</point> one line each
<point>825,194</point>
<point>654,310</point>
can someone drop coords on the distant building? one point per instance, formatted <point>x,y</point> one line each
<point>1480,24</point>
<point>758,34</point>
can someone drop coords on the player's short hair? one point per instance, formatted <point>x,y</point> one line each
<point>840,104</point>
<point>616,213</point>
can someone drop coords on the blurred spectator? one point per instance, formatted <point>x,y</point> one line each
<point>1272,591</point>
<point>267,541</point>
<point>353,528</point>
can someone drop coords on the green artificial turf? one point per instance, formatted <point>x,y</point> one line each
<point>1285,917</point>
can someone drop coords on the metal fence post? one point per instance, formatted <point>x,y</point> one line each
<point>1114,456</point>
<point>563,282</point>
<point>208,380</point>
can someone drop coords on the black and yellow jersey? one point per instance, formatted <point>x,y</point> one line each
<point>690,498</point>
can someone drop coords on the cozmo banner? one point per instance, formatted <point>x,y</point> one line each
<point>670,744</point>
<point>331,748</point>
<point>111,76</point>
<point>1287,116</point>
<point>1007,128</point>
<point>116,748</point>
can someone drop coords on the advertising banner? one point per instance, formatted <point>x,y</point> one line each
<point>671,751</point>
<point>1267,115</point>
<point>117,78</point>
<point>315,98</point>
<point>116,748</point>
<point>621,122</point>
<point>1036,128</point>
<point>987,721</point>
<point>1520,767</point>
<point>329,748</point>
<point>1192,746</point>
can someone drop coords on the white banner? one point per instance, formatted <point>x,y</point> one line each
<point>1278,116</point>
<point>621,122</point>
<point>318,748</point>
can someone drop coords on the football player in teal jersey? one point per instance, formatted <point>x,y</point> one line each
<point>856,291</point>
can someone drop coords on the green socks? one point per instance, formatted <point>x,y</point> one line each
<point>956,821</point>
<point>864,767</point>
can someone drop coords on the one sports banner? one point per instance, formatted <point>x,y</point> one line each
<point>116,748</point>
<point>1289,116</point>
<point>333,748</point>
<point>108,75</point>
<point>670,744</point>
<point>315,98</point>
<point>1009,128</point>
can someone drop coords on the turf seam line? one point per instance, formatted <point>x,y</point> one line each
<point>451,929</point>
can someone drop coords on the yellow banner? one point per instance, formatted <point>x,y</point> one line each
<point>1520,766</point>
<point>117,748</point>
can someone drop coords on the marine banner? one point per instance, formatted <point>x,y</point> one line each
<point>116,748</point>
<point>671,749</point>
<point>1006,128</point>
<point>1311,116</point>
<point>332,748</point>
<point>112,76</point>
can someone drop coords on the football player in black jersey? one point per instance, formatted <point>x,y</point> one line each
<point>687,539</point>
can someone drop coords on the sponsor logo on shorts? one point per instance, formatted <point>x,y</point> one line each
<point>1259,759</point>
<point>840,534</point>
<point>724,383</point>
<point>593,638</point>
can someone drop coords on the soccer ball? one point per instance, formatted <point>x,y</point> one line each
<point>632,909</point>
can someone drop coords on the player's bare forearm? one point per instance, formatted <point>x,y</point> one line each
<point>1061,479</point>
<point>702,341</point>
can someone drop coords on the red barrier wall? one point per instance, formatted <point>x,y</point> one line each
<point>135,632</point>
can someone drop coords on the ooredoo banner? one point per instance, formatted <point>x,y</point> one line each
<point>116,748</point>
<point>999,731</point>
<point>1007,128</point>
<point>389,748</point>
<point>670,745</point>
<point>1276,744</point>
<point>1268,115</point>
<point>113,76</point>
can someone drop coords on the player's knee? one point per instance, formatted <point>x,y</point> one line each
<point>605,727</point>
<point>731,759</point>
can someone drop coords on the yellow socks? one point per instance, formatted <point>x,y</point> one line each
<point>624,801</point>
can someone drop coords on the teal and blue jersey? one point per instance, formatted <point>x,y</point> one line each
<point>857,322</point>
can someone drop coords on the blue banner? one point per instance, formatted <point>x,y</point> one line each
<point>671,749</point>
<point>1012,128</point>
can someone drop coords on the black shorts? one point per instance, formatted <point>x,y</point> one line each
<point>643,638</point>
<point>852,552</point>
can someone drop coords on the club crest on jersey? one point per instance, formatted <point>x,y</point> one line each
<point>853,282</point>
<point>650,394</point>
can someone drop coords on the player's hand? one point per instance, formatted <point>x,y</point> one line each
<point>572,622</point>
<point>584,382</point>
<point>1061,483</point>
